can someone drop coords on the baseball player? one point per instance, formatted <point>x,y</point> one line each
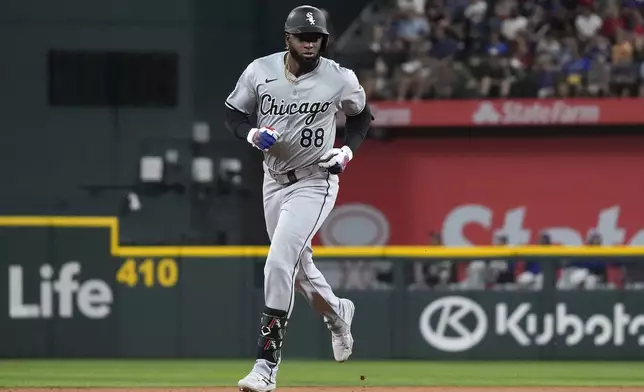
<point>296,94</point>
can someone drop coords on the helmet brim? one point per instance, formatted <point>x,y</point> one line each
<point>306,29</point>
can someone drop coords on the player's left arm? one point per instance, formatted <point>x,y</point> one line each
<point>353,103</point>
<point>357,111</point>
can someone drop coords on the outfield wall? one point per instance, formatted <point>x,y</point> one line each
<point>70,292</point>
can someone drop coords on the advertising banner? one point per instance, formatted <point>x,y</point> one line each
<point>472,190</point>
<point>528,326</point>
<point>65,294</point>
<point>59,295</point>
<point>507,112</point>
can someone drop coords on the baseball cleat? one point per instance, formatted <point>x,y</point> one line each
<point>343,341</point>
<point>255,382</point>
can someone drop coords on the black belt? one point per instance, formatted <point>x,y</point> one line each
<point>292,178</point>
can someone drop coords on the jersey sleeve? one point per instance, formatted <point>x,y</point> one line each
<point>244,97</point>
<point>353,98</point>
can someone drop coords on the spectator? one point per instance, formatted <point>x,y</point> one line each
<point>475,12</point>
<point>374,81</point>
<point>414,73</point>
<point>411,27</point>
<point>458,8</point>
<point>632,22</point>
<point>465,84</point>
<point>443,47</point>
<point>520,56</point>
<point>475,25</point>
<point>384,57</point>
<point>638,58</point>
<point>559,24</point>
<point>441,20</point>
<point>611,24</point>
<point>500,271</point>
<point>513,25</point>
<point>547,74</point>
<point>574,73</point>
<point>496,47</point>
<point>503,48</point>
<point>584,274</point>
<point>536,15</point>
<point>549,46</point>
<point>598,78</point>
<point>502,10</point>
<point>623,71</point>
<point>482,274</point>
<point>598,45</point>
<point>531,277</point>
<point>433,274</point>
<point>413,6</point>
<point>496,79</point>
<point>587,23</point>
<point>598,83</point>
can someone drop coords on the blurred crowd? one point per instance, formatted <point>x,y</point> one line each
<point>514,274</point>
<point>570,274</point>
<point>424,49</point>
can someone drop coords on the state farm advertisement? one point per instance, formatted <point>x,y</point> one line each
<point>500,112</point>
<point>471,190</point>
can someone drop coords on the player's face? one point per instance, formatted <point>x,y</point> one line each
<point>305,46</point>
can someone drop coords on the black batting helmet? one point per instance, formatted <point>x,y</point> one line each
<point>307,19</point>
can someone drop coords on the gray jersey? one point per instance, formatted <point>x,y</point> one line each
<point>302,111</point>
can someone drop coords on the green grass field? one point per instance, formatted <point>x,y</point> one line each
<point>208,373</point>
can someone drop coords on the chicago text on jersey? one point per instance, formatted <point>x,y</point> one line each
<point>269,106</point>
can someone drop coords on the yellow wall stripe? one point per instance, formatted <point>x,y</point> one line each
<point>112,223</point>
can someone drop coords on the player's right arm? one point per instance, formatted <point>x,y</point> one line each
<point>241,102</point>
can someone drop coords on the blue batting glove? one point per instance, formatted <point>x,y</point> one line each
<point>263,138</point>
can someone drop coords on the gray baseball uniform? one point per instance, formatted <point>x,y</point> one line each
<point>304,113</point>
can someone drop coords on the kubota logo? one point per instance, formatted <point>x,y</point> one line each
<point>452,312</point>
<point>535,112</point>
<point>456,324</point>
<point>529,328</point>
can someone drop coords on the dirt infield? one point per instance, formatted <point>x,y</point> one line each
<point>344,389</point>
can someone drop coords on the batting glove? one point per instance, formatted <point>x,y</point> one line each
<point>263,138</point>
<point>336,160</point>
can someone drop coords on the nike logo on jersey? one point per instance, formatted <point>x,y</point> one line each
<point>270,106</point>
<point>269,80</point>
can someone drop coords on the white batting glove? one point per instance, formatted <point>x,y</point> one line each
<point>263,138</point>
<point>336,160</point>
